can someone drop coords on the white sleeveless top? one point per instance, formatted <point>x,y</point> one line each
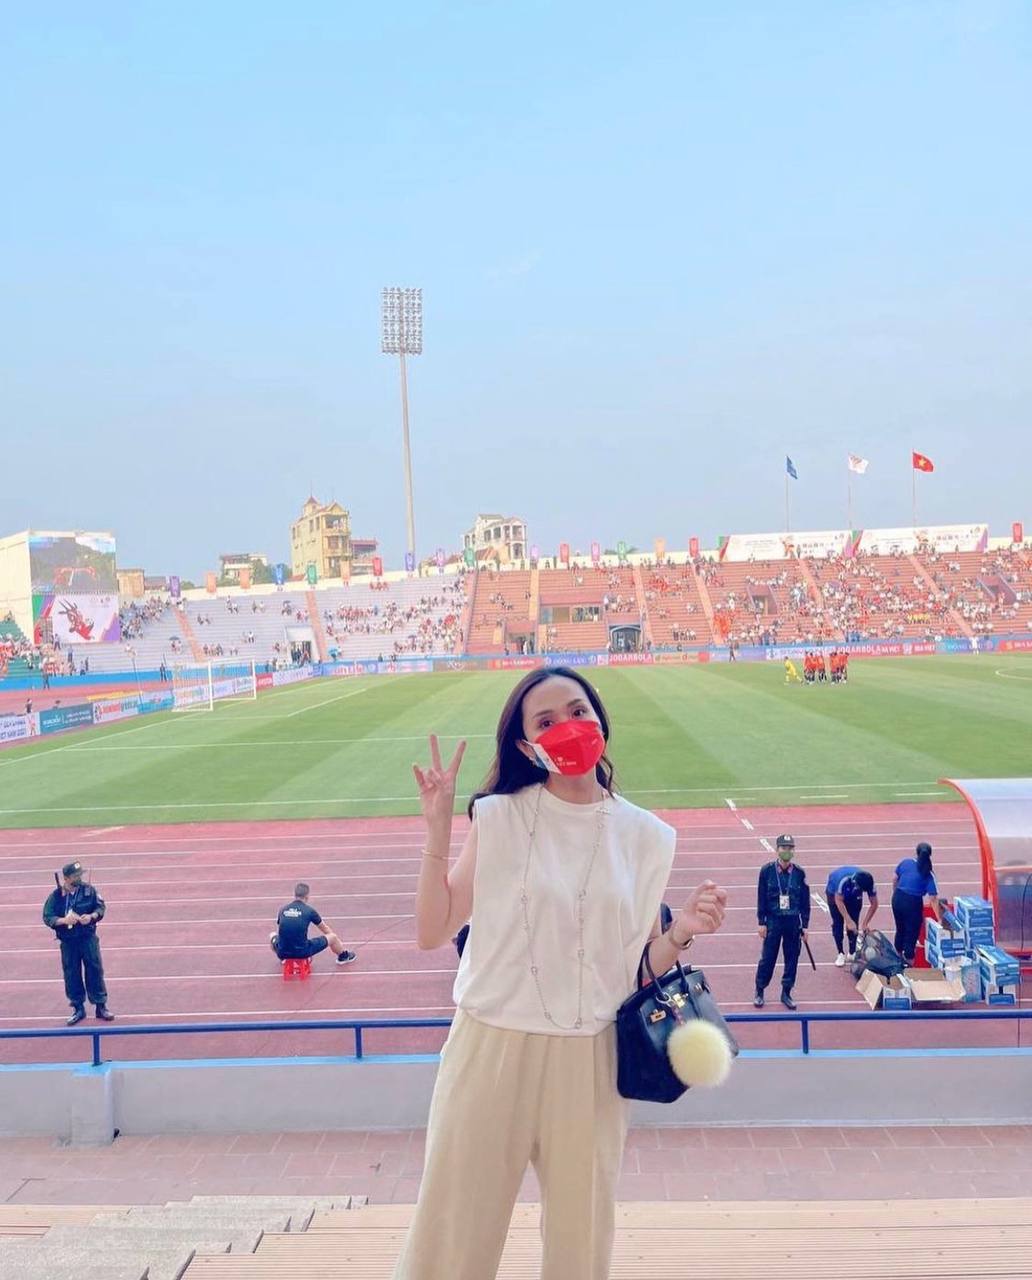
<point>494,983</point>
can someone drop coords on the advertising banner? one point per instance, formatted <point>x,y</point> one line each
<point>941,537</point>
<point>17,728</point>
<point>264,680</point>
<point>631,659</point>
<point>210,583</point>
<point>116,709</point>
<point>312,574</point>
<point>377,567</point>
<point>529,663</point>
<point>53,719</point>
<point>564,553</point>
<point>1017,532</point>
<point>410,562</point>
<point>79,619</point>
<point>292,675</point>
<point>693,547</point>
<point>739,547</point>
<point>1018,645</point>
<point>679,659</point>
<point>596,553</point>
<point>175,586</point>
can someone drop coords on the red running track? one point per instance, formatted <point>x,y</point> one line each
<point>190,909</point>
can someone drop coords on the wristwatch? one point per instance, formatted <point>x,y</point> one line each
<point>681,946</point>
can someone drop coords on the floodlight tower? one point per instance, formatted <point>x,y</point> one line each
<point>402,335</point>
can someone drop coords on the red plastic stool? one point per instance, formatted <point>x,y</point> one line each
<point>299,969</point>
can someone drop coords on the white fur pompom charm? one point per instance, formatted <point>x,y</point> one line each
<point>699,1053</point>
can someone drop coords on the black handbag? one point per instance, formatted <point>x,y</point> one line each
<point>644,1023</point>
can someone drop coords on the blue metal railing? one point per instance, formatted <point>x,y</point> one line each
<point>359,1025</point>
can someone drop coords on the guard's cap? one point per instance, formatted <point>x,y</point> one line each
<point>71,869</point>
<point>785,842</point>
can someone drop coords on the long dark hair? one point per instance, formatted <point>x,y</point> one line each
<point>924,859</point>
<point>510,770</point>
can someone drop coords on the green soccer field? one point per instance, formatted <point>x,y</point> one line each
<point>683,737</point>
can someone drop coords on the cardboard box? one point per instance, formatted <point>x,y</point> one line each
<point>972,911</point>
<point>999,969</point>
<point>931,986</point>
<point>875,990</point>
<point>965,971</point>
<point>979,936</point>
<point>1002,995</point>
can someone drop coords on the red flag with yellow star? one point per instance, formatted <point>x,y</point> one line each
<point>921,463</point>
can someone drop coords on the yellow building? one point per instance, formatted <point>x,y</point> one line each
<point>321,537</point>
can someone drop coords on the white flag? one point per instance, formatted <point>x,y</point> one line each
<point>859,465</point>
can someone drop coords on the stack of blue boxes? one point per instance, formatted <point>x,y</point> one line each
<point>1000,975</point>
<point>964,947</point>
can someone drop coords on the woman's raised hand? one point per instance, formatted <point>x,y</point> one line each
<point>437,784</point>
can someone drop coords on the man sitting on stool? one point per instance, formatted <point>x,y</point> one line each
<point>290,940</point>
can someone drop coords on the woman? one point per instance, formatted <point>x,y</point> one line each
<point>913,883</point>
<point>561,879</point>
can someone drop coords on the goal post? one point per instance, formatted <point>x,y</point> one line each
<point>198,686</point>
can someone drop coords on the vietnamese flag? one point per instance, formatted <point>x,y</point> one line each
<point>921,463</point>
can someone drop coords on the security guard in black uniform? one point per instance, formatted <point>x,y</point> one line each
<point>783,914</point>
<point>72,911</point>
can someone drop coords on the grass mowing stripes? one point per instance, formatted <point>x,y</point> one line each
<point>683,737</point>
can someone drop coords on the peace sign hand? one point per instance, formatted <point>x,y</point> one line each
<point>437,785</point>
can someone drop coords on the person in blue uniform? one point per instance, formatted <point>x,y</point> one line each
<point>913,884</point>
<point>72,912</point>
<point>845,892</point>
<point>783,917</point>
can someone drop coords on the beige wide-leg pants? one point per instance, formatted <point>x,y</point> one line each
<point>504,1099</point>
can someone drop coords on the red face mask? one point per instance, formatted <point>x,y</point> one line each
<point>571,748</point>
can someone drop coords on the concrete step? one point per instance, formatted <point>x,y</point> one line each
<point>241,1238</point>
<point>160,1262</point>
<point>65,1266</point>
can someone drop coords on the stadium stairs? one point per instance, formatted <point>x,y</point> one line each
<point>499,624</point>
<point>704,598</point>
<point>189,635</point>
<point>740,1240</point>
<point>955,618</point>
<point>671,593</point>
<point>318,630</point>
<point>152,1242</point>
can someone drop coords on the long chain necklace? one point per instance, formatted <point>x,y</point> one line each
<point>535,971</point>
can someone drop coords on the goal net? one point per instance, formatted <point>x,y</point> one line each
<point>198,686</point>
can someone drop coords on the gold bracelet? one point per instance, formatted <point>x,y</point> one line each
<point>437,857</point>
<point>681,946</point>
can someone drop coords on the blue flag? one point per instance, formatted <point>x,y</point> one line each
<point>790,468</point>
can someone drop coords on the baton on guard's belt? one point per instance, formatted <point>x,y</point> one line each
<point>809,952</point>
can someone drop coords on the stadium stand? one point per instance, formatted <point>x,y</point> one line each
<point>679,606</point>
<point>152,631</point>
<point>17,655</point>
<point>415,618</point>
<point>502,618</point>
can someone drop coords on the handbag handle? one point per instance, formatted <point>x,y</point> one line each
<point>647,963</point>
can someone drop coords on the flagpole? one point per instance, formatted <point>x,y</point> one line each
<point>849,497</point>
<point>913,491</point>
<point>788,523</point>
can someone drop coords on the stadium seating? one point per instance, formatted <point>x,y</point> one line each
<point>416,617</point>
<point>500,611</point>
<point>12,640</point>
<point>609,591</point>
<point>679,606</point>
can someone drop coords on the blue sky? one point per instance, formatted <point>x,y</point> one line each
<point>660,247</point>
